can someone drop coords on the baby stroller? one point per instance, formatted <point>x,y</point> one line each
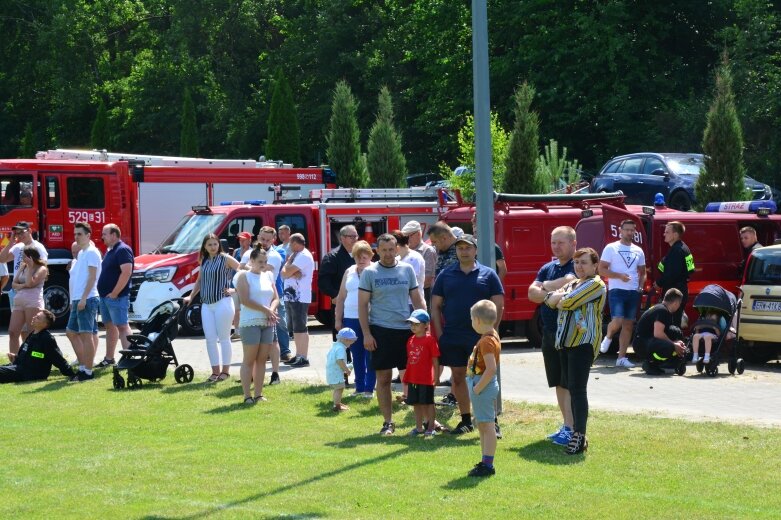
<point>152,350</point>
<point>715,300</point>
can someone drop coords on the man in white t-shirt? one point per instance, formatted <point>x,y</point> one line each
<point>297,273</point>
<point>411,257</point>
<point>623,265</point>
<point>84,300</point>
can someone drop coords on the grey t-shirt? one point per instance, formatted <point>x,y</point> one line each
<point>390,292</point>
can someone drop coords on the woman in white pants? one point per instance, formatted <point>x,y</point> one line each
<point>217,309</point>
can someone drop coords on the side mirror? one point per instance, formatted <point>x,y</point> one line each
<point>661,172</point>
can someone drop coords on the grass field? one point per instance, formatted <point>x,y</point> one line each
<point>191,451</point>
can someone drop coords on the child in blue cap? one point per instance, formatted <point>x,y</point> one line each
<point>336,366</point>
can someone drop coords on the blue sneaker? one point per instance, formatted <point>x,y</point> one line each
<point>557,432</point>
<point>563,438</point>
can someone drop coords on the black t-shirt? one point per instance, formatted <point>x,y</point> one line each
<point>645,327</point>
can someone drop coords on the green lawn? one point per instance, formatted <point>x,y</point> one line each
<point>191,451</point>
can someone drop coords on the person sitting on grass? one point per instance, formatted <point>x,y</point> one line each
<point>482,382</point>
<point>336,366</point>
<point>422,365</point>
<point>37,354</point>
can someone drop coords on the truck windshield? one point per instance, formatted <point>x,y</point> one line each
<point>765,268</point>
<point>189,233</point>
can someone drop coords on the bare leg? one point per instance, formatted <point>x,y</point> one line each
<point>419,416</point>
<point>487,438</point>
<point>302,343</point>
<point>15,330</point>
<point>431,415</point>
<point>459,388</point>
<point>384,393</point>
<point>274,355</point>
<point>260,368</point>
<point>247,367</point>
<point>627,328</point>
<point>88,345</point>
<point>613,327</point>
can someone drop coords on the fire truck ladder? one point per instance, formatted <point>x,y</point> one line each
<point>156,160</point>
<point>417,194</point>
<point>545,202</point>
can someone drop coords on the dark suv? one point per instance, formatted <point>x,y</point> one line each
<point>642,175</point>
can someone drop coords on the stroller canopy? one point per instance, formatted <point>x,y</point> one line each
<point>717,297</point>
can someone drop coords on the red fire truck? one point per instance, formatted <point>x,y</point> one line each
<point>144,195</point>
<point>171,270</point>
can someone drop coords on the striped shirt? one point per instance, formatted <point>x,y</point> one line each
<point>580,316</point>
<point>215,278</point>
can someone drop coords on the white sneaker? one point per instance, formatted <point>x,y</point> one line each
<point>605,345</point>
<point>695,359</point>
<point>624,362</point>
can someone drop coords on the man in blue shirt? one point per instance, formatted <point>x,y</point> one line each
<point>114,291</point>
<point>457,288</point>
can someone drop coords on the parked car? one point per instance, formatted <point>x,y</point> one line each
<point>642,175</point>
<point>422,179</point>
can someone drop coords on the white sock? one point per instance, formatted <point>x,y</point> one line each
<point>82,368</point>
<point>706,358</point>
<point>695,358</point>
<point>88,372</point>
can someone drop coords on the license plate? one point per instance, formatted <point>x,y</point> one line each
<point>766,306</point>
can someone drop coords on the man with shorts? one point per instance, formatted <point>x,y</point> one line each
<point>456,289</point>
<point>114,291</point>
<point>657,337</point>
<point>84,300</point>
<point>623,265</point>
<point>551,277</point>
<point>385,288</point>
<point>297,273</point>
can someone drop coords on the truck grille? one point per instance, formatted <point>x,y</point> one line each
<point>136,279</point>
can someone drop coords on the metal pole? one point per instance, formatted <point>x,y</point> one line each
<point>484,184</point>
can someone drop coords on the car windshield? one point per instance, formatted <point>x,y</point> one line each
<point>188,234</point>
<point>685,165</point>
<point>764,268</point>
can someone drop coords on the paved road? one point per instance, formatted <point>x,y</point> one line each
<point>754,397</point>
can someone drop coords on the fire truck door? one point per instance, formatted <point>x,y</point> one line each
<point>52,213</point>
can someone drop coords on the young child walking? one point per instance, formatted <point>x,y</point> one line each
<point>422,367</point>
<point>336,366</point>
<point>482,383</point>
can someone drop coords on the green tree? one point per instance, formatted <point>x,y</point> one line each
<point>723,172</point>
<point>524,147</point>
<point>188,138</point>
<point>99,136</point>
<point>284,141</point>
<point>386,163</point>
<point>27,144</point>
<point>344,145</point>
<point>554,171</point>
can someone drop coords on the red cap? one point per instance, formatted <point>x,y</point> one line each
<point>245,234</point>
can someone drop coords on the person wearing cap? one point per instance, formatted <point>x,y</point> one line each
<point>336,367</point>
<point>414,234</point>
<point>456,289</point>
<point>114,291</point>
<point>443,239</point>
<point>245,244</point>
<point>19,238</point>
<point>420,375</point>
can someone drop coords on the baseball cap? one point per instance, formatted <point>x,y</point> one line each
<point>347,333</point>
<point>245,234</point>
<point>21,225</point>
<point>469,239</point>
<point>413,226</point>
<point>419,316</point>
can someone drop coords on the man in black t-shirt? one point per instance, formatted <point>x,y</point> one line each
<point>657,336</point>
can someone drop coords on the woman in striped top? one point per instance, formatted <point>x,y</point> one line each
<point>217,309</point>
<point>579,333</point>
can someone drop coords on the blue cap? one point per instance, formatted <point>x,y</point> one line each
<point>347,333</point>
<point>419,316</point>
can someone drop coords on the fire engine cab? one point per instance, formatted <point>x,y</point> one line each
<point>143,194</point>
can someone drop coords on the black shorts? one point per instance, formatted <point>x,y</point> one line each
<point>391,349</point>
<point>297,315</point>
<point>552,359</point>
<point>420,394</point>
<point>455,355</point>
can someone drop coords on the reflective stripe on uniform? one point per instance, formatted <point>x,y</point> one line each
<point>36,354</point>
<point>660,267</point>
<point>659,358</point>
<point>689,263</point>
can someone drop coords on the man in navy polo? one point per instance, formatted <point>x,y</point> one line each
<point>114,291</point>
<point>456,289</point>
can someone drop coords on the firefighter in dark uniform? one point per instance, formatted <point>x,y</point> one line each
<point>676,267</point>
<point>36,355</point>
<point>656,338</point>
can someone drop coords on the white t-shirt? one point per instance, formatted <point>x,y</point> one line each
<point>3,270</point>
<point>17,249</point>
<point>624,260</point>
<point>300,289</point>
<point>418,263</point>
<point>79,273</point>
<point>274,260</point>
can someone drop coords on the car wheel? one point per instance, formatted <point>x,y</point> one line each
<point>680,200</point>
<point>56,298</point>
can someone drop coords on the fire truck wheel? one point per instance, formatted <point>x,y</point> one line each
<point>190,320</point>
<point>56,298</point>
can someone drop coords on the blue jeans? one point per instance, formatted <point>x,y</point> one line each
<point>114,310</point>
<point>365,376</point>
<point>84,321</point>
<point>282,335</point>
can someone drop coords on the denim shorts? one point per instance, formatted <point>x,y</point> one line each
<point>114,310</point>
<point>623,303</point>
<point>84,321</point>
<point>484,403</point>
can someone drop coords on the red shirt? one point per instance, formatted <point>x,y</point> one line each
<point>420,360</point>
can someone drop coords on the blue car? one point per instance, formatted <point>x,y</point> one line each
<point>642,175</point>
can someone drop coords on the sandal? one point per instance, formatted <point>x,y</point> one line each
<point>223,376</point>
<point>213,378</point>
<point>249,400</point>
<point>260,399</point>
<point>340,407</point>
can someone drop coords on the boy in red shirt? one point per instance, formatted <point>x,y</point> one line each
<point>422,364</point>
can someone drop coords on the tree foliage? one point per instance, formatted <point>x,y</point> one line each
<point>188,137</point>
<point>27,145</point>
<point>554,170</point>
<point>284,141</point>
<point>344,139</point>
<point>723,173</point>
<point>385,161</point>
<point>524,147</point>
<point>99,136</point>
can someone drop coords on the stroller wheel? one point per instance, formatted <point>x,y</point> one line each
<point>184,374</point>
<point>134,382</point>
<point>119,381</point>
<point>740,365</point>
<point>731,366</point>
<point>680,369</point>
<point>712,371</point>
<point>700,365</point>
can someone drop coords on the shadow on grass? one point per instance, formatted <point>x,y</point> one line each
<point>310,389</point>
<point>194,386</point>
<point>221,508</point>
<point>417,443</point>
<point>51,386</point>
<point>545,452</point>
<point>464,483</point>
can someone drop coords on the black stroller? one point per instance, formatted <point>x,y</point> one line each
<point>152,350</point>
<point>715,300</point>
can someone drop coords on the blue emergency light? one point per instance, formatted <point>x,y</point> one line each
<point>760,207</point>
<point>256,202</point>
